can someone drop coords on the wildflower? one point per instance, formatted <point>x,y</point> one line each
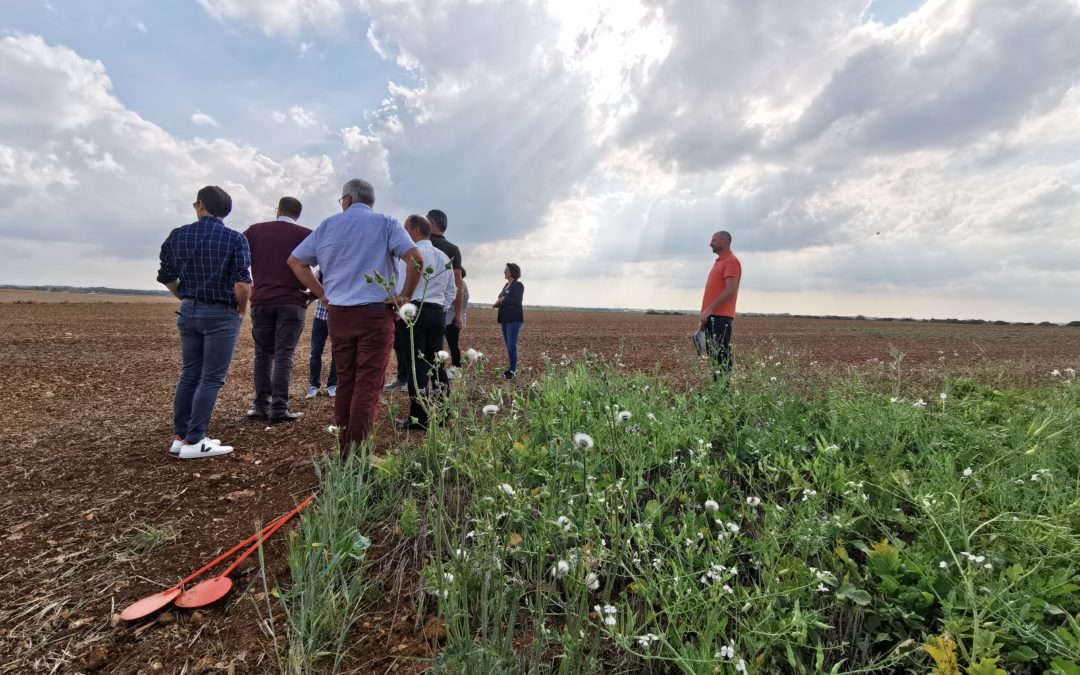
<point>740,667</point>
<point>583,440</point>
<point>564,523</point>
<point>443,355</point>
<point>733,527</point>
<point>711,505</point>
<point>729,589</point>
<point>726,652</point>
<point>919,404</point>
<point>894,399</point>
<point>471,354</point>
<point>560,568</point>
<point>490,409</point>
<point>1035,477</point>
<point>623,416</point>
<point>988,566</point>
<point>592,582</point>
<point>753,502</point>
<point>650,416</point>
<point>943,565</point>
<point>1071,372</point>
<point>608,612</point>
<point>772,379</point>
<point>967,472</point>
<point>407,312</point>
<point>647,639</point>
<point>1055,372</point>
<point>943,396</point>
<point>333,429</point>
<point>505,487</point>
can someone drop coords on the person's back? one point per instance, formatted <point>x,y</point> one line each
<point>271,244</point>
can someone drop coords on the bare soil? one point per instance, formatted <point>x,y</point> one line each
<point>85,419</point>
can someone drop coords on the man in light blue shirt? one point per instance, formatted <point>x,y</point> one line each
<point>348,247</point>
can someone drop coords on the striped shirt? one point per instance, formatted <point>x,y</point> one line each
<point>207,259</point>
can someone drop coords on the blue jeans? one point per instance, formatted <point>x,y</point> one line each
<point>510,337</point>
<point>319,332</point>
<point>207,339</point>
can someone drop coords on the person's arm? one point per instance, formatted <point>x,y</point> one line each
<point>305,275</point>
<point>414,262</point>
<point>243,294</point>
<point>459,299</point>
<point>516,294</point>
<point>731,287</point>
<point>167,274</point>
<point>501,296</point>
<point>174,288</point>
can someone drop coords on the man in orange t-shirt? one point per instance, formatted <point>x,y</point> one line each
<point>718,303</point>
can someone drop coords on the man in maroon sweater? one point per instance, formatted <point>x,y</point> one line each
<point>278,310</point>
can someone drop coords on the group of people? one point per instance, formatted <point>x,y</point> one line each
<point>279,267</point>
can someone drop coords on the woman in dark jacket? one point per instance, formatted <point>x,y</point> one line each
<point>510,315</point>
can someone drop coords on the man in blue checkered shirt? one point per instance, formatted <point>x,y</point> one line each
<point>319,332</point>
<point>205,265</point>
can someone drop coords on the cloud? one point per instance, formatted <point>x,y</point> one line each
<point>286,17</point>
<point>299,116</point>
<point>69,140</point>
<point>199,118</point>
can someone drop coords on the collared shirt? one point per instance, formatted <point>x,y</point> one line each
<point>351,244</point>
<point>320,311</point>
<point>208,259</point>
<point>271,243</point>
<point>727,266</point>
<point>443,244</point>
<point>439,289</point>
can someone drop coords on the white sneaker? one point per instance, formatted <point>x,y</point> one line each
<point>331,391</point>
<point>178,443</point>
<point>207,447</point>
<point>312,392</point>
<point>452,374</point>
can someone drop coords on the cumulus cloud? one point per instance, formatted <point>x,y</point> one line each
<point>88,172</point>
<point>298,115</point>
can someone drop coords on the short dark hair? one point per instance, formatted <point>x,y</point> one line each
<point>420,223</point>
<point>289,206</point>
<point>515,270</point>
<point>438,219</point>
<point>216,201</point>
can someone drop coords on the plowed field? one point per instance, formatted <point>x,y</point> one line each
<point>85,418</point>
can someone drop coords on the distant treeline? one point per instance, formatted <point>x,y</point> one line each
<point>101,290</point>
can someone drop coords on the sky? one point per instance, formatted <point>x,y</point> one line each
<point>900,158</point>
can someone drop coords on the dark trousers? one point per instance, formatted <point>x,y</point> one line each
<point>208,335</point>
<point>319,332</point>
<point>510,332</point>
<point>401,349</point>
<point>453,334</point>
<point>276,330</point>
<point>427,339</point>
<point>361,338</point>
<point>718,339</point>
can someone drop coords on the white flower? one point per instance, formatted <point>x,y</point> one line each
<point>753,502</point>
<point>448,577</point>
<point>1055,372</point>
<point>988,566</point>
<point>733,527</point>
<point>647,639</point>
<point>711,505</point>
<point>894,399</point>
<point>740,667</point>
<point>333,429</point>
<point>650,416</point>
<point>407,312</point>
<point>564,523</point>
<point>608,612</point>
<point>967,472</point>
<point>1035,477</point>
<point>490,409</point>
<point>943,564</point>
<point>583,440</point>
<point>505,487</point>
<point>726,652</point>
<point>443,355</point>
<point>728,589</point>
<point>1071,372</point>
<point>592,582</point>
<point>623,416</point>
<point>560,568</point>
<point>919,404</point>
<point>943,396</point>
<point>471,354</point>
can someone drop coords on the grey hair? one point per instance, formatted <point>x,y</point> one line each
<point>360,191</point>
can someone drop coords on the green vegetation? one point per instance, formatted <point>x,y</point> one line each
<point>601,521</point>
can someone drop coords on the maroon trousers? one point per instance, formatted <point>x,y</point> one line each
<point>362,339</point>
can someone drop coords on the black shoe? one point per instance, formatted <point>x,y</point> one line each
<point>409,425</point>
<point>287,416</point>
<point>509,375</point>
<point>256,414</point>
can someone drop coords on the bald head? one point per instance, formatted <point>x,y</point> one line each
<point>720,242</point>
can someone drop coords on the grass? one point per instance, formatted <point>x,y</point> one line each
<point>792,524</point>
<point>144,539</point>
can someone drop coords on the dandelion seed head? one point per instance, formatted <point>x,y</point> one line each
<point>490,409</point>
<point>505,487</point>
<point>407,312</point>
<point>753,502</point>
<point>623,416</point>
<point>711,505</point>
<point>583,440</point>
